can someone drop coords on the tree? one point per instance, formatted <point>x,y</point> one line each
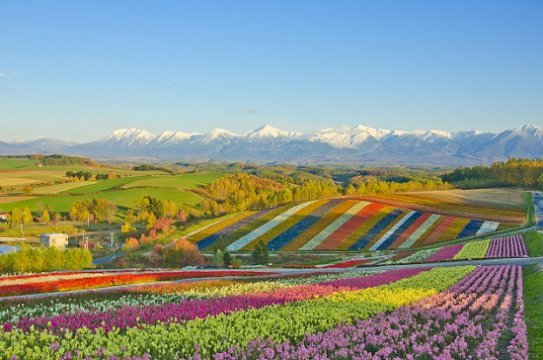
<point>151,221</point>
<point>182,253</point>
<point>131,244</point>
<point>218,260</point>
<point>26,216</point>
<point>170,208</point>
<point>227,258</point>
<point>260,254</point>
<point>45,217</point>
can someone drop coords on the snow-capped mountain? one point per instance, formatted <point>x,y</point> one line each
<point>130,137</point>
<point>270,132</point>
<point>357,144</point>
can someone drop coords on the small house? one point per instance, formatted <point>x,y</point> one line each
<point>4,217</point>
<point>60,241</point>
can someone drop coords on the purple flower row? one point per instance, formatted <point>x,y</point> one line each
<point>445,253</point>
<point>510,246</point>
<point>131,316</point>
<point>468,321</point>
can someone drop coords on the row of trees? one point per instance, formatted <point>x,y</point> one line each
<point>29,259</point>
<point>514,172</point>
<point>240,192</point>
<point>367,185</point>
<point>100,210</point>
<point>87,175</point>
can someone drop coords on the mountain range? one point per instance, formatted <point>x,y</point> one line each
<point>357,144</point>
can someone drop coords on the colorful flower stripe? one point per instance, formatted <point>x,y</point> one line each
<point>348,264</point>
<point>289,322</point>
<point>230,227</point>
<point>240,243</point>
<point>473,250</point>
<point>372,234</point>
<point>416,257</point>
<point>388,238</point>
<point>511,246</point>
<point>488,226</point>
<point>299,228</point>
<point>285,225</point>
<point>445,253</point>
<point>156,294</point>
<point>115,280</point>
<point>214,228</point>
<point>334,240</point>
<point>419,233</point>
<point>130,316</point>
<point>449,325</point>
<point>471,228</point>
<point>368,217</point>
<point>403,236</point>
<point>436,232</point>
<point>319,226</point>
<point>453,230</point>
<point>248,228</point>
<point>335,225</point>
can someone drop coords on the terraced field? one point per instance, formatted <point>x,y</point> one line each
<point>342,224</point>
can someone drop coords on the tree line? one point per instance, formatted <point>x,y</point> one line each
<point>513,172</point>
<point>29,259</point>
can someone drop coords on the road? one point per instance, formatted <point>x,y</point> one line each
<point>106,259</point>
<point>271,272</point>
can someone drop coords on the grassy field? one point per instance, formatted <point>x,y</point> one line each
<point>533,298</point>
<point>55,189</point>
<point>123,191</point>
<point>534,243</point>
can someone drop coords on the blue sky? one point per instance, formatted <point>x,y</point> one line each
<point>77,69</point>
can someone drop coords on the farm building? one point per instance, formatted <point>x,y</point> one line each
<point>6,249</point>
<point>54,240</point>
<point>4,217</point>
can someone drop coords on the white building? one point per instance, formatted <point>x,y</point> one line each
<point>59,241</point>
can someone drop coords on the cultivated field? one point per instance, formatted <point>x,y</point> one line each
<point>259,315</point>
<point>348,224</point>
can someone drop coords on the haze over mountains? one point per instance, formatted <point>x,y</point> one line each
<point>269,144</point>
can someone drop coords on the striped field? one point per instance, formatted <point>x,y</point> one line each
<point>339,224</point>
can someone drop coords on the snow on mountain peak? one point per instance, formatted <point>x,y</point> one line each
<point>268,131</point>
<point>218,134</point>
<point>348,137</point>
<point>132,135</point>
<point>168,137</point>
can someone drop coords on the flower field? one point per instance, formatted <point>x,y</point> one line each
<point>445,313</point>
<point>60,282</point>
<point>505,247</point>
<point>341,224</point>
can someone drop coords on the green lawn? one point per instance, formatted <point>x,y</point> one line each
<point>121,198</point>
<point>55,189</point>
<point>180,182</point>
<point>16,163</point>
<point>533,300</point>
<point>534,243</point>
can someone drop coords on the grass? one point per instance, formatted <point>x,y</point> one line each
<point>534,243</point>
<point>55,189</point>
<point>15,181</point>
<point>122,198</point>
<point>530,210</point>
<point>533,298</point>
<point>179,182</point>
<point>16,163</point>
